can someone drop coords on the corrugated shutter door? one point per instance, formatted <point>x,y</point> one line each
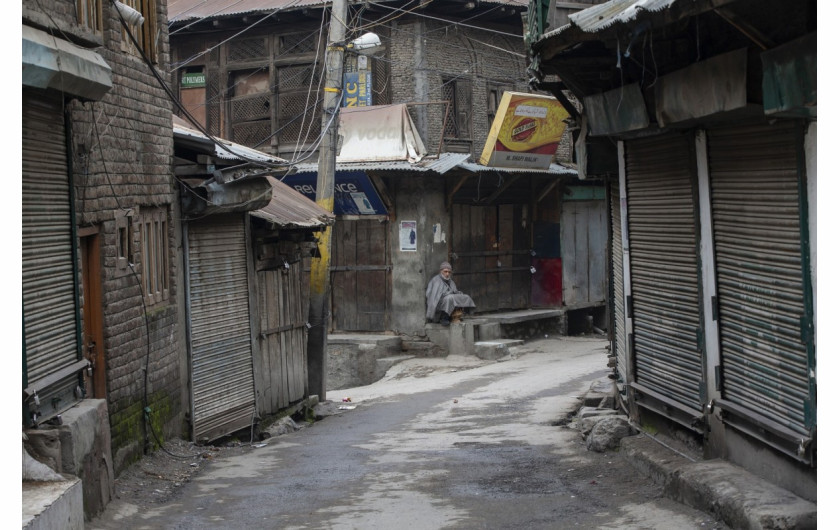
<point>220,331</point>
<point>618,283</point>
<point>758,253</point>
<point>662,227</point>
<point>49,297</point>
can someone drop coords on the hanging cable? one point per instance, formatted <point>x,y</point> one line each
<point>180,106</point>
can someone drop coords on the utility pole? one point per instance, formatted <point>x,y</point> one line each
<point>319,277</point>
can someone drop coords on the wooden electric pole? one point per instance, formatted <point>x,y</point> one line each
<point>319,277</point>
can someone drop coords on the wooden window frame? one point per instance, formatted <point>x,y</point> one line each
<point>125,237</point>
<point>154,255</point>
<point>146,33</point>
<point>89,14</point>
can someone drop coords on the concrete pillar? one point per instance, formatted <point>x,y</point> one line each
<point>461,338</point>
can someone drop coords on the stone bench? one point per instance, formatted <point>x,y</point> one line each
<point>460,338</point>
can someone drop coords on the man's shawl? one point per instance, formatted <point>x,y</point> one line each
<point>444,296</point>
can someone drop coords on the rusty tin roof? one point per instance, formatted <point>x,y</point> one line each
<point>291,209</point>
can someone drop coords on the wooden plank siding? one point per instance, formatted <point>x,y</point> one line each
<point>361,275</point>
<point>491,255</point>
<point>283,307</point>
<point>583,244</point>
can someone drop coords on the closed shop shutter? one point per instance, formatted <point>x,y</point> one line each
<point>49,295</point>
<point>758,254</point>
<point>663,230</point>
<point>619,337</point>
<point>220,329</point>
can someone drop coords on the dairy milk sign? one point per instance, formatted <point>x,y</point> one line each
<point>354,193</point>
<point>525,132</point>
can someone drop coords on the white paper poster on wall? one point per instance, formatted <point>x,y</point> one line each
<point>408,236</point>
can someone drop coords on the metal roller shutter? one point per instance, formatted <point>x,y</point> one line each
<point>220,330</point>
<point>619,335</point>
<point>758,253</point>
<point>664,275</point>
<point>49,297</point>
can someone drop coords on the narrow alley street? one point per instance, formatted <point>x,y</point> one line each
<point>438,443</point>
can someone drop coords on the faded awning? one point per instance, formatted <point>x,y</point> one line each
<point>51,62</point>
<point>378,133</point>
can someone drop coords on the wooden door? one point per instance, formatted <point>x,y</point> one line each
<point>93,342</point>
<point>491,255</point>
<point>361,275</point>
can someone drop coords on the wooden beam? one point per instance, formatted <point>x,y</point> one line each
<point>547,189</point>
<point>501,189</point>
<point>760,39</point>
<point>455,190</point>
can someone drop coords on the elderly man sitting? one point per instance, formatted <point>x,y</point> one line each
<point>443,298</point>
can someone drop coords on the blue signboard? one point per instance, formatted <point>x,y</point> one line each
<point>357,89</point>
<point>354,192</point>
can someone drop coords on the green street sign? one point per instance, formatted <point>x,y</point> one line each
<point>192,80</point>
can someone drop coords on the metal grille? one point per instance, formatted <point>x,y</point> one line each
<point>245,49</point>
<point>381,73</point>
<point>664,269</point>
<point>220,334</point>
<point>619,336</point>
<point>48,282</point>
<point>254,107</point>
<point>758,254</point>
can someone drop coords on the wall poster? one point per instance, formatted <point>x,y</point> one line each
<point>408,236</point>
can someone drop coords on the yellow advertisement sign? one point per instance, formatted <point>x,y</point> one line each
<point>525,132</point>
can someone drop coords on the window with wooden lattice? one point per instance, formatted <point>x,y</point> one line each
<point>249,106</point>
<point>457,125</point>
<point>298,104</point>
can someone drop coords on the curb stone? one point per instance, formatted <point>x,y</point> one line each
<point>730,493</point>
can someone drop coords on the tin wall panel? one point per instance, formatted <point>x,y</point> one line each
<point>220,330</point>
<point>48,282</point>
<point>663,230</point>
<point>758,254</point>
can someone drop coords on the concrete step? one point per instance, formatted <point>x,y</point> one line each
<point>383,364</point>
<point>492,350</point>
<point>423,348</point>
<point>50,505</point>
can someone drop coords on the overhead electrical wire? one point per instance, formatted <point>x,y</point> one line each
<point>357,26</point>
<point>180,106</point>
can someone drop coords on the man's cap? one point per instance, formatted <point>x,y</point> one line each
<point>445,265</point>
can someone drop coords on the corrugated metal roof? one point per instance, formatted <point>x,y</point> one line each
<point>290,209</point>
<point>442,164</point>
<point>237,151</point>
<point>601,16</point>
<point>553,169</point>
<point>184,10</point>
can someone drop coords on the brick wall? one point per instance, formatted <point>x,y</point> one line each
<point>121,158</point>
<point>483,59</point>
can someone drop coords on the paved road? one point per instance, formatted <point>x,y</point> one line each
<point>438,443</point>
